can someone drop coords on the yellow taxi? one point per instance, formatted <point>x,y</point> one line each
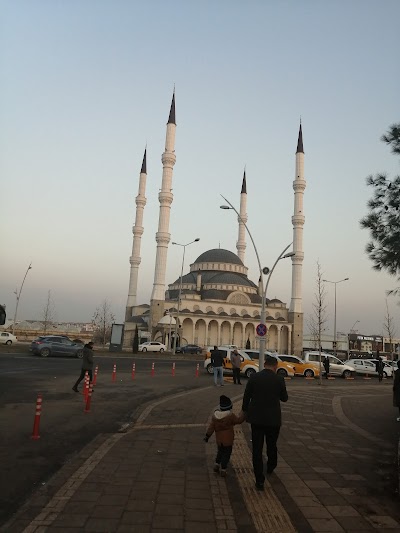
<point>249,364</point>
<point>301,367</point>
<point>285,369</point>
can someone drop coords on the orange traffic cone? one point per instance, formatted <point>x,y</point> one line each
<point>36,422</point>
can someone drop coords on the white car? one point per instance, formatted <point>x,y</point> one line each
<point>7,338</point>
<point>336,366</point>
<point>365,366</point>
<point>152,346</point>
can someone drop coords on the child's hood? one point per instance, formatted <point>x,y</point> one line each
<point>220,415</point>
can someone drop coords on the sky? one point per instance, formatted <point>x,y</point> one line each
<point>86,85</point>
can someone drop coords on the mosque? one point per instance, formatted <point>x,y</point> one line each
<point>218,304</point>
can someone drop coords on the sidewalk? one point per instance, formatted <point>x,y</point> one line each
<point>158,475</point>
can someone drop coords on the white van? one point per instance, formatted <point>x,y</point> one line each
<point>367,366</point>
<point>336,366</point>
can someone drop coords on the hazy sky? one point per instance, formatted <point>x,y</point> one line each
<point>86,84</point>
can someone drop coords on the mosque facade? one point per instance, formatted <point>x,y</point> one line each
<point>218,303</point>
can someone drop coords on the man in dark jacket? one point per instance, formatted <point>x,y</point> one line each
<point>217,361</point>
<point>326,366</point>
<point>261,405</point>
<point>379,366</point>
<point>87,364</point>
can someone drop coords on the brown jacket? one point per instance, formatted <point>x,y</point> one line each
<point>222,423</point>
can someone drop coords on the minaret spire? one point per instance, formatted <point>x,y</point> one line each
<point>163,237</point>
<point>298,219</point>
<point>137,231</point>
<point>242,219</point>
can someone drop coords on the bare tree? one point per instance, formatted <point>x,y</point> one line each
<point>319,317</point>
<point>102,320</point>
<point>313,330</point>
<point>389,327</point>
<point>48,313</point>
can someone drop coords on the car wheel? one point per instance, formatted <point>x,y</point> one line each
<point>346,374</point>
<point>309,373</point>
<point>45,352</point>
<point>210,369</point>
<point>79,354</point>
<point>144,349</point>
<point>161,350</point>
<point>282,372</point>
<point>249,372</point>
<point>9,342</point>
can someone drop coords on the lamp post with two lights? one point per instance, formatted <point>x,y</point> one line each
<point>334,322</point>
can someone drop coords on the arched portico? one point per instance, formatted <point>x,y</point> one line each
<point>225,334</point>
<point>200,332</point>
<point>212,333</point>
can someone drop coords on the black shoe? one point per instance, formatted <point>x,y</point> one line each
<point>75,389</point>
<point>259,486</point>
<point>269,470</point>
<point>239,383</point>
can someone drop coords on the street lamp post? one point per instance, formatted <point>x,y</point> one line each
<point>263,271</point>
<point>180,289</point>
<point>18,295</point>
<point>334,322</point>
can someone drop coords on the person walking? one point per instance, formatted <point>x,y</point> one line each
<point>261,406</point>
<point>327,366</point>
<point>379,366</point>
<point>396,389</point>
<point>217,362</point>
<point>87,364</point>
<point>222,423</point>
<point>236,361</point>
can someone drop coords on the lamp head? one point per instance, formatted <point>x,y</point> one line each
<point>290,254</point>
<point>197,240</point>
<point>346,279</point>
<point>225,207</point>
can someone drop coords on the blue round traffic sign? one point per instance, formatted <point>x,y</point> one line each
<point>261,330</point>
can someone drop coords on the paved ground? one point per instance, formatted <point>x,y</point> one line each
<point>337,470</point>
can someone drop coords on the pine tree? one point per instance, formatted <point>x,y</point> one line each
<point>383,219</point>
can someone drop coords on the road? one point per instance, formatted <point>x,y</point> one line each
<point>65,428</point>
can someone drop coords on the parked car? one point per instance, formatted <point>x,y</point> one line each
<point>365,366</point>
<point>284,369</point>
<point>189,348</point>
<point>56,345</point>
<point>152,346</point>
<point>336,366</point>
<point>248,366</point>
<point>7,338</point>
<point>301,368</point>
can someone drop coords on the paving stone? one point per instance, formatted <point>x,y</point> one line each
<point>325,524</point>
<point>140,505</point>
<point>342,510</point>
<point>71,520</point>
<point>101,525</point>
<point>168,509</point>
<point>196,527</point>
<point>324,470</point>
<point>303,501</point>
<point>197,503</point>
<point>113,499</point>
<point>317,483</point>
<point>136,517</point>
<point>315,512</point>
<point>86,496</point>
<point>382,522</point>
<point>167,522</point>
<point>355,523</point>
<point>108,511</point>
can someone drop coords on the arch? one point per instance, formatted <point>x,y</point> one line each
<point>250,333</point>
<point>200,332</point>
<point>238,298</point>
<point>284,340</point>
<point>225,336</point>
<point>272,337</point>
<point>237,334</point>
<point>187,330</point>
<point>212,333</point>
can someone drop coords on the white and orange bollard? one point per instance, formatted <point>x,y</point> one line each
<point>197,370</point>
<point>36,422</point>
<point>133,370</point>
<point>114,373</point>
<point>86,386</point>
<point>173,369</point>
<point>95,375</point>
<point>88,399</point>
<point>366,376</point>
<point>152,369</point>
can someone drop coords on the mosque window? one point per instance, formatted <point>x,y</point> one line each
<point>232,311</point>
<point>220,310</point>
<point>209,308</point>
<point>244,312</point>
<point>196,308</point>
<point>277,315</point>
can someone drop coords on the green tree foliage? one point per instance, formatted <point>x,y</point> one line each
<point>383,218</point>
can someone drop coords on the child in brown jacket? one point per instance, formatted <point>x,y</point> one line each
<point>222,423</point>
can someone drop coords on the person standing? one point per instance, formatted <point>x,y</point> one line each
<point>222,422</point>
<point>261,405</point>
<point>217,362</point>
<point>327,366</point>
<point>396,389</point>
<point>236,361</point>
<point>87,364</point>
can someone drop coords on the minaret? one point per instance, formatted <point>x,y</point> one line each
<point>137,231</point>
<point>296,304</point>
<point>165,198</point>
<point>241,243</point>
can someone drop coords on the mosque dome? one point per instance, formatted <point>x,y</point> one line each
<point>219,255</point>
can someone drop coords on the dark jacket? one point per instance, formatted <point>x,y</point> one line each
<point>326,364</point>
<point>222,423</point>
<point>396,388</point>
<point>262,398</point>
<point>217,358</point>
<point>236,360</point>
<point>87,362</point>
